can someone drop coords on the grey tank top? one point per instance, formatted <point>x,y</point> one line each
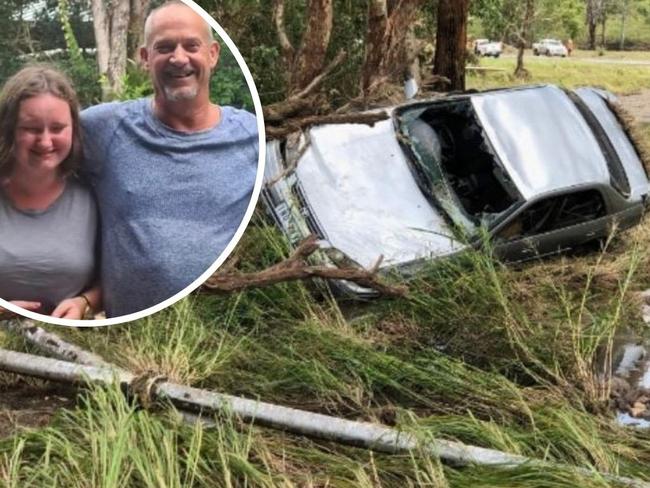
<point>48,255</point>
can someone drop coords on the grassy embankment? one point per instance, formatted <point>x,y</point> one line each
<point>501,357</point>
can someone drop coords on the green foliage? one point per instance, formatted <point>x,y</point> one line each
<point>579,70</point>
<point>10,41</point>
<point>228,85</point>
<point>136,83</point>
<point>502,19</point>
<point>82,71</point>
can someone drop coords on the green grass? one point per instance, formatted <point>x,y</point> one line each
<point>569,72</point>
<point>466,356</point>
<point>509,358</point>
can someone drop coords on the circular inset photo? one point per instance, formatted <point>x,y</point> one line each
<point>130,164</point>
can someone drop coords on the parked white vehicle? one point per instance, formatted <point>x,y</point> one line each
<point>484,47</point>
<point>549,47</point>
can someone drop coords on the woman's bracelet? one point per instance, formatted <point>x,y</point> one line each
<point>88,305</point>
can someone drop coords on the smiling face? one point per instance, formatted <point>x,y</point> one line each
<point>43,134</point>
<point>179,54</point>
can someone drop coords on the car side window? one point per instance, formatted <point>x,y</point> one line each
<point>555,213</point>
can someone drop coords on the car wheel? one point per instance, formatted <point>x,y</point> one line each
<point>535,52</point>
<point>496,56</point>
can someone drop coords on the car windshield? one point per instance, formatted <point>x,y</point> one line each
<point>454,163</point>
<point>555,43</point>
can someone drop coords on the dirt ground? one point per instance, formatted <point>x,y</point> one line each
<point>638,104</point>
<point>28,406</point>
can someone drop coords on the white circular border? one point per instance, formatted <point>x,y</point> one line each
<point>233,242</point>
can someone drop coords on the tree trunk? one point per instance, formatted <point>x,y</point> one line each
<point>451,40</point>
<point>592,20</point>
<point>623,22</point>
<point>529,13</point>
<point>110,23</point>
<point>306,63</point>
<point>596,14</point>
<point>310,58</point>
<point>376,41</point>
<point>389,52</point>
<point>139,9</point>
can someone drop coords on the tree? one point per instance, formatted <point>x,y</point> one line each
<point>595,15</point>
<point>451,40</point>
<point>119,31</point>
<point>529,14</point>
<point>111,24</point>
<point>308,61</point>
<point>388,53</point>
<point>13,28</point>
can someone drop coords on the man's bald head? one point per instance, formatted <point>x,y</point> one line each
<point>149,22</point>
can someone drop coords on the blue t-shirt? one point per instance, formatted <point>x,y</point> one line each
<point>169,201</point>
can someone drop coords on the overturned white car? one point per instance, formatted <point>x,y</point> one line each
<point>539,168</point>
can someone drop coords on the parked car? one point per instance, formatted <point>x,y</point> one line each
<point>540,169</point>
<point>485,47</point>
<point>549,47</point>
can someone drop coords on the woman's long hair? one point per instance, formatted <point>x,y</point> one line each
<point>31,81</point>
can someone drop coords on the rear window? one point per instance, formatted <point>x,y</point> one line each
<point>618,177</point>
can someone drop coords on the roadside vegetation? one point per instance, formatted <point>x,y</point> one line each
<point>584,69</point>
<point>508,358</point>
<point>511,358</point>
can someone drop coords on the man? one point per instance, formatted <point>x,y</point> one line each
<point>174,174</point>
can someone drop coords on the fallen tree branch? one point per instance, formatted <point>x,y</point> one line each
<point>302,100</point>
<point>51,343</point>
<point>318,80</point>
<point>292,164</point>
<point>366,435</point>
<point>295,268</point>
<point>299,124</point>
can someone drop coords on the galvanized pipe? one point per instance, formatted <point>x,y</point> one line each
<point>360,434</point>
<point>52,343</point>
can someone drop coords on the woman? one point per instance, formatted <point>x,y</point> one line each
<point>48,220</point>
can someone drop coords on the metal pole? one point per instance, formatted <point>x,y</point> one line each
<point>360,434</point>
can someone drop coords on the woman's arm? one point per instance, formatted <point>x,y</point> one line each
<point>75,308</point>
<point>7,314</point>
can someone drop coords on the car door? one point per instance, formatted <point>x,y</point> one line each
<point>552,224</point>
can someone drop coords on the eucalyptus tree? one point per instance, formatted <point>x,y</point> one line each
<point>451,40</point>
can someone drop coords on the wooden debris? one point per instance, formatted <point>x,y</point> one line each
<point>302,101</point>
<point>295,267</point>
<point>303,122</point>
<point>292,164</point>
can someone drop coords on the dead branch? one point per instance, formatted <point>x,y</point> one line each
<point>304,99</point>
<point>278,112</point>
<point>295,267</point>
<point>299,124</point>
<point>278,17</point>
<point>292,164</point>
<point>318,80</point>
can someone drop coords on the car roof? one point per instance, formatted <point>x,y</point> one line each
<point>542,140</point>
